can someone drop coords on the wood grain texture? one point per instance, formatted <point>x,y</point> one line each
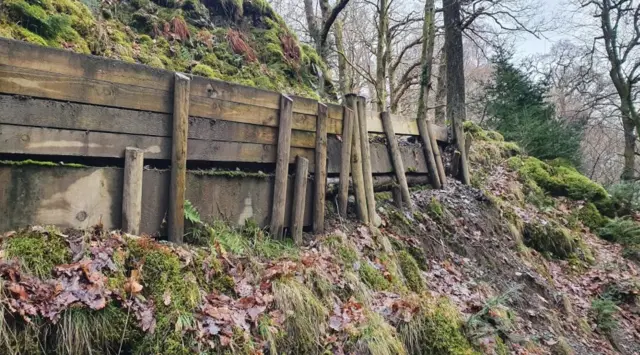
<point>356,163</point>
<point>41,84</point>
<point>396,158</point>
<point>178,158</point>
<point>282,168</point>
<point>75,116</point>
<point>366,161</point>
<point>320,177</point>
<point>132,190</point>
<point>51,141</point>
<point>299,199</point>
<point>431,127</point>
<point>28,56</point>
<point>428,153</point>
<point>345,161</point>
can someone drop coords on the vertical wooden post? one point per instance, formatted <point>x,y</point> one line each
<point>320,170</point>
<point>436,153</point>
<point>282,167</point>
<point>428,153</point>
<point>179,157</point>
<point>132,190</point>
<point>366,162</point>
<point>356,163</point>
<point>396,158</point>
<point>299,196</point>
<point>397,196</point>
<point>345,160</point>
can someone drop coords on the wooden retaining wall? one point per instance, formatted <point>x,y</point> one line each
<point>62,104</point>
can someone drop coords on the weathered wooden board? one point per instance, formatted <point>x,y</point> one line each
<point>30,82</point>
<point>50,141</point>
<point>18,110</point>
<point>28,56</point>
<point>401,126</point>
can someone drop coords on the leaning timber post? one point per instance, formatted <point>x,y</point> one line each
<point>132,190</point>
<point>320,170</point>
<point>356,163</point>
<point>299,196</point>
<point>397,196</point>
<point>436,153</point>
<point>282,167</point>
<point>428,152</point>
<point>366,162</point>
<point>179,157</point>
<point>396,158</point>
<point>345,160</point>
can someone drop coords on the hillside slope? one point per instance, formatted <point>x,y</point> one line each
<point>509,266</point>
<point>241,41</point>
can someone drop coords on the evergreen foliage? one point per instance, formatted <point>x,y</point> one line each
<point>517,108</point>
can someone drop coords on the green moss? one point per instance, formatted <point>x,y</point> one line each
<point>550,239</point>
<point>590,216</point>
<point>30,162</point>
<point>411,272</point>
<point>435,209</point>
<point>162,274</point>
<point>437,330</point>
<point>231,173</point>
<point>372,277</point>
<point>343,249</point>
<point>38,252</point>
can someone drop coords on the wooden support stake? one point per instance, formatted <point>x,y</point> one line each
<point>428,153</point>
<point>396,158</point>
<point>396,193</point>
<point>179,157</point>
<point>366,162</point>
<point>132,190</point>
<point>320,170</point>
<point>436,153</point>
<point>356,163</point>
<point>282,167</point>
<point>299,196</point>
<point>345,161</point>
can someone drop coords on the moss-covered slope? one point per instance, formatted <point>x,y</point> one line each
<point>244,42</point>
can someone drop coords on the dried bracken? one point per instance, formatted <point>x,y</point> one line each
<point>238,42</point>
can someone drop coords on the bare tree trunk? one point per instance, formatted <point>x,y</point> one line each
<point>381,62</point>
<point>391,73</point>
<point>441,90</point>
<point>343,78</point>
<point>456,109</point>
<point>628,171</point>
<point>429,34</point>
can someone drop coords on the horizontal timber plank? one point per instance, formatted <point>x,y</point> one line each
<point>401,126</point>
<point>50,141</point>
<point>29,56</point>
<point>27,82</point>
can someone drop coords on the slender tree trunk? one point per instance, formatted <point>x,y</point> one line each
<point>391,73</point>
<point>441,90</point>
<point>456,109</point>
<point>429,35</point>
<point>381,65</point>
<point>628,171</point>
<point>343,77</point>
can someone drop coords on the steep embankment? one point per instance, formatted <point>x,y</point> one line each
<point>244,42</point>
<point>508,266</point>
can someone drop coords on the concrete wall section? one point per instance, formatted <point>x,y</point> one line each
<point>80,198</point>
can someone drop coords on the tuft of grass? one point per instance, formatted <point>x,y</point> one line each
<point>379,338</point>
<point>38,253</point>
<point>306,316</point>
